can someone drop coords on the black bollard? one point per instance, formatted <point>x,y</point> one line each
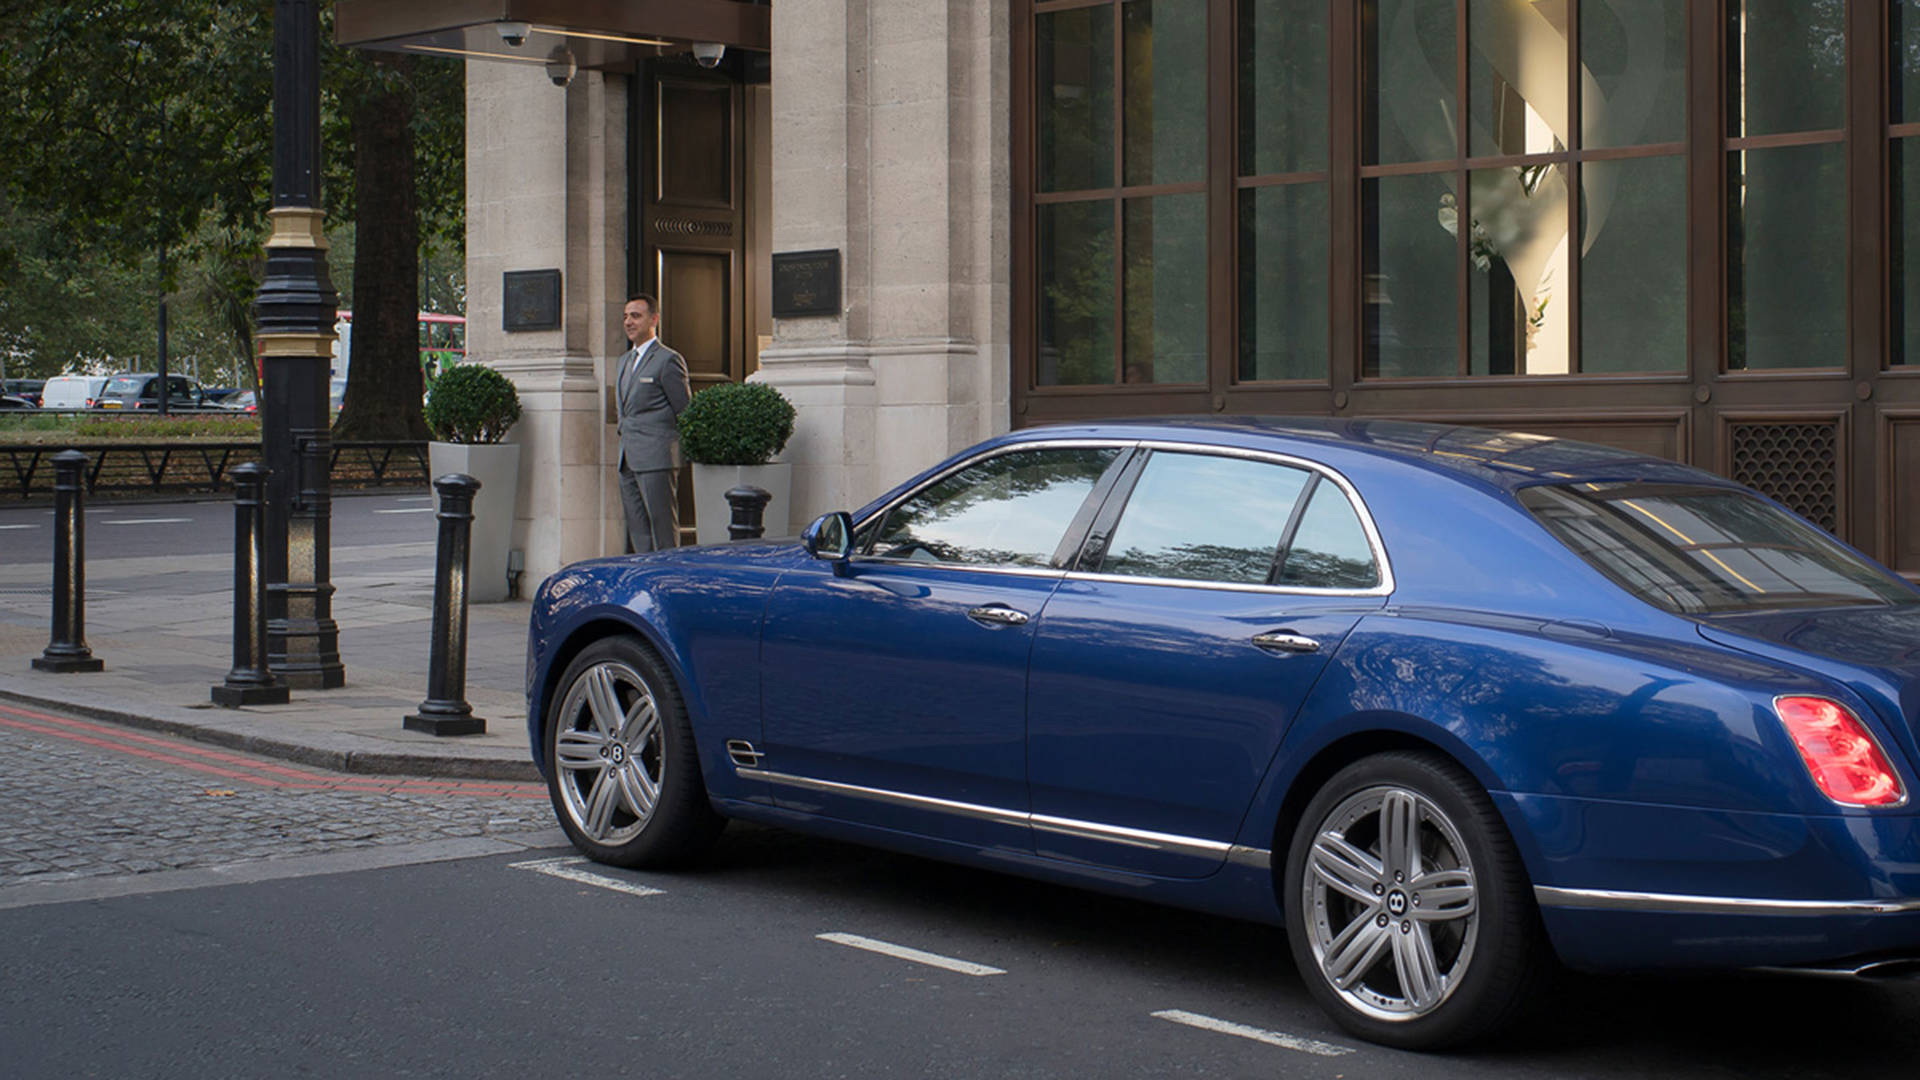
<point>749,508</point>
<point>446,712</point>
<point>250,682</point>
<point>68,650</point>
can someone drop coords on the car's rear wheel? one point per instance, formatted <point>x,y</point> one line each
<point>625,777</point>
<point>1408,911</point>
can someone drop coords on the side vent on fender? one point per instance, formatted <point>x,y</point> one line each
<point>743,753</point>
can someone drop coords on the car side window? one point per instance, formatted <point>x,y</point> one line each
<point>1201,517</point>
<point>1012,509</point>
<point>1329,548</point>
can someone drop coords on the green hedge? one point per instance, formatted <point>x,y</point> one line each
<point>735,424</point>
<point>27,427</point>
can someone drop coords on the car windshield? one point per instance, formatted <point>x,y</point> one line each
<point>123,384</point>
<point>1698,550</point>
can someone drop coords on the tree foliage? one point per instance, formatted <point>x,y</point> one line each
<point>136,158</point>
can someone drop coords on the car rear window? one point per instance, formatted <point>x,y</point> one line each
<point>125,384</point>
<point>1700,550</point>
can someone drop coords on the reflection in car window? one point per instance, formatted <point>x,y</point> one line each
<point>1329,548</point>
<point>1203,518</point>
<point>1012,509</point>
<point>1697,550</point>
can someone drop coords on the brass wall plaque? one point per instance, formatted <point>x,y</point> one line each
<point>530,300</point>
<point>806,283</point>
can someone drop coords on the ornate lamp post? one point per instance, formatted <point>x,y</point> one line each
<point>295,311</point>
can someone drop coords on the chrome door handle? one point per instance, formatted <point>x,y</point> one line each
<point>996,615</point>
<point>1283,641</point>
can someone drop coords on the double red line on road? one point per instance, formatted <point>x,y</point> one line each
<point>245,768</point>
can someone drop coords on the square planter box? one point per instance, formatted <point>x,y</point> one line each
<point>497,467</point>
<point>711,512</point>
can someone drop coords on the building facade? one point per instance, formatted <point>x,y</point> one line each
<point>1678,226</point>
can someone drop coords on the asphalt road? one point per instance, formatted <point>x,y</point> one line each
<point>187,527</point>
<point>175,910</point>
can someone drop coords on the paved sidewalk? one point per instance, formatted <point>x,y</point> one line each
<point>163,625</point>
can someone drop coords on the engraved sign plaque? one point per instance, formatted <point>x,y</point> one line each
<point>530,300</point>
<point>806,283</point>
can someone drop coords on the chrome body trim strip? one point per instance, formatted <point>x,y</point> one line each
<point>1612,900</point>
<point>1086,830</point>
<point>896,798</point>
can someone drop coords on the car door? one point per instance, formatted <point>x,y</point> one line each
<point>895,684</point>
<point>1167,666</point>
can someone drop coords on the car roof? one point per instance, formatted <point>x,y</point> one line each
<point>1502,459</point>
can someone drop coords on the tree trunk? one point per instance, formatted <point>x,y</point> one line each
<point>383,382</point>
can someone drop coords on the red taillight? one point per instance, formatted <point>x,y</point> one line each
<point>1846,763</point>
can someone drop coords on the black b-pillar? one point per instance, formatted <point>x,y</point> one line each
<point>295,309</point>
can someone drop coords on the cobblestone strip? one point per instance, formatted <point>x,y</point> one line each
<point>92,806</point>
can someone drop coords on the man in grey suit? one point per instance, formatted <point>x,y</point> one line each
<point>652,388</point>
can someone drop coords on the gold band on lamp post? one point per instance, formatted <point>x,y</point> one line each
<point>297,344</point>
<point>297,227</point>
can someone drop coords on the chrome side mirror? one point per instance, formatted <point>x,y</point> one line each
<point>830,537</point>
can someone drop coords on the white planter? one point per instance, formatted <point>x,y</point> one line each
<point>497,467</point>
<point>711,512</point>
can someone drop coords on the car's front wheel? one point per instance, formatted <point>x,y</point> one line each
<point>1408,912</point>
<point>624,774</point>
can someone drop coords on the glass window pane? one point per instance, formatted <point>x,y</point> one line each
<point>1329,549</point>
<point>1076,293</point>
<point>1633,271</point>
<point>1166,87</point>
<point>1410,295</point>
<point>1517,72</point>
<point>1166,267</point>
<point>1283,86</point>
<point>1075,84</point>
<point>1786,63</point>
<point>1904,251</point>
<point>1202,518</point>
<point>1519,281</point>
<point>1903,41</point>
<point>1283,282</point>
<point>1786,258</point>
<point>1633,60</point>
<point>1013,509</point>
<point>1409,96</point>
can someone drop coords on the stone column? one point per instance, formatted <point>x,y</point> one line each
<point>890,143</point>
<point>547,189</point>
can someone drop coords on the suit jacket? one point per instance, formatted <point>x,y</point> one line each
<point>651,398</point>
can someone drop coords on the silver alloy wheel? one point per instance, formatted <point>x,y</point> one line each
<point>1392,908</point>
<point>609,754</point>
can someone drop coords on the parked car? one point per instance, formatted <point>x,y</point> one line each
<point>244,401</point>
<point>24,388</point>
<point>142,391</point>
<point>15,401</point>
<point>1446,703</point>
<point>72,391</point>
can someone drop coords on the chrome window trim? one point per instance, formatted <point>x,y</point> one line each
<point>1675,903</point>
<point>1085,830</point>
<point>1359,505</point>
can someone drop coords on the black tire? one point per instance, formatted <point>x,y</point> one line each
<point>1419,943</point>
<point>624,775</point>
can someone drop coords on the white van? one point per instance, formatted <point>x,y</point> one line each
<point>72,391</point>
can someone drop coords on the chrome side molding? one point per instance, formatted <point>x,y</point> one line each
<point>1612,900</point>
<point>1237,854</point>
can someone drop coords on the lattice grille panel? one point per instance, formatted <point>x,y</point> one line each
<point>1797,464</point>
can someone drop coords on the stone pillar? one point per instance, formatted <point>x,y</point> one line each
<point>547,189</point>
<point>890,134</point>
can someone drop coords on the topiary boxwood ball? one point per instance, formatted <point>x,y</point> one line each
<point>472,403</point>
<point>735,424</point>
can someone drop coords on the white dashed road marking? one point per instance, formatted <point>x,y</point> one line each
<point>146,521</point>
<point>408,510</point>
<point>901,952</point>
<point>568,868</point>
<point>4,527</point>
<point>1271,1038</point>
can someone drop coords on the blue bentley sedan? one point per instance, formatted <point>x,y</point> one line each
<point>1451,705</point>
